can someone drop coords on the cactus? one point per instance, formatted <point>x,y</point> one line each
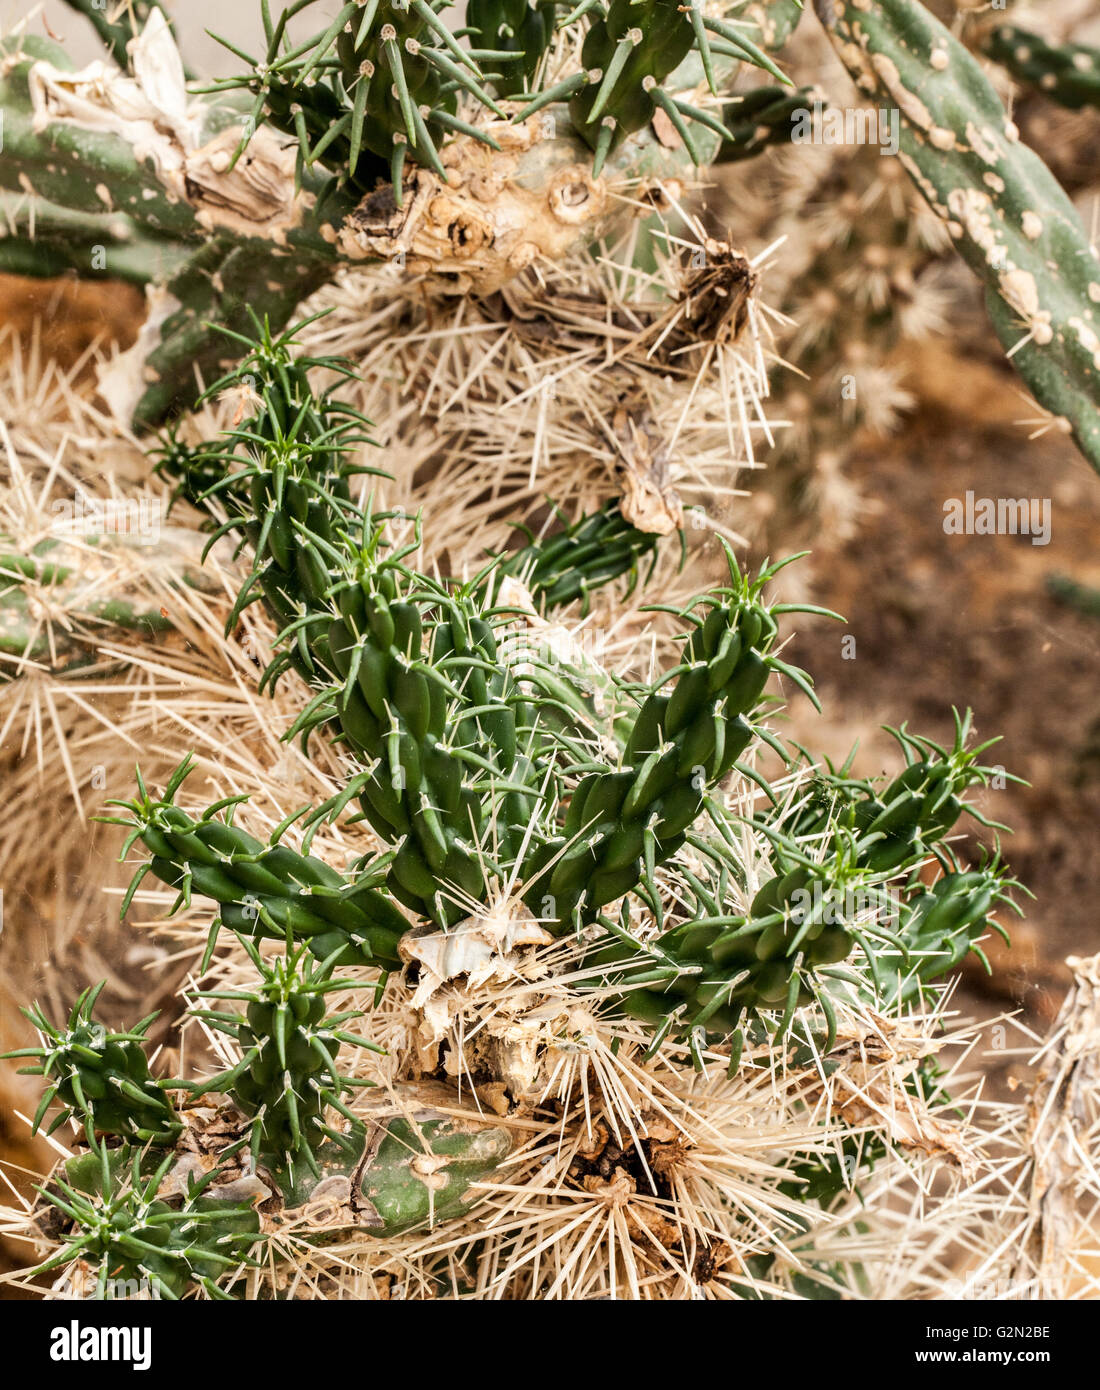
<point>100,1078</point>
<point>764,116</point>
<point>376,91</point>
<point>577,832</point>
<point>578,891</point>
<point>135,1213</point>
<point>629,54</point>
<point>408,672</point>
<point>36,583</point>
<point>132,1239</point>
<point>381,81</point>
<point>286,1078</point>
<point>834,858</point>
<point>1007,215</point>
<point>1068,73</point>
<point>512,803</point>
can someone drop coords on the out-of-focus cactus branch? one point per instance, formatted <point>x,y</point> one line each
<point>1007,215</point>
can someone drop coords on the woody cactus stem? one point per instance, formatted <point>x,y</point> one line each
<point>1068,73</point>
<point>1009,218</point>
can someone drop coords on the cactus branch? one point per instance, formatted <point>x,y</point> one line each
<point>1007,215</point>
<point>1068,73</point>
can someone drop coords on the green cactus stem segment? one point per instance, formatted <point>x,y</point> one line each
<point>1009,218</point>
<point>718,973</point>
<point>837,860</point>
<point>591,552</point>
<point>286,1079</point>
<point>941,924</point>
<point>263,891</point>
<point>133,1239</point>
<point>899,825</point>
<point>621,824</point>
<point>630,53</point>
<point>99,1079</point>
<point>1068,73</point>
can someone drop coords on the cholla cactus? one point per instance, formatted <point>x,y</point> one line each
<point>101,1078</point>
<point>643,998</point>
<point>129,1239</point>
<point>520,814</point>
<point>1006,213</point>
<point>286,1036</point>
<point>1068,73</point>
